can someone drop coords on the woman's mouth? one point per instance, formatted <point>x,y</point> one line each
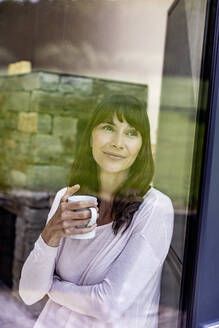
<point>113,155</point>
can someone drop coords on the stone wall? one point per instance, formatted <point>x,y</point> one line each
<point>42,116</point>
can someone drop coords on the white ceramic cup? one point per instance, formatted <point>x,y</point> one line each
<point>79,198</point>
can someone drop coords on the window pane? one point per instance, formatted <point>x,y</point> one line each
<point>59,62</point>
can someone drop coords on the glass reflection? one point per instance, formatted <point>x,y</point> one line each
<point>44,114</point>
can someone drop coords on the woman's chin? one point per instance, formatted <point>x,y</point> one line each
<point>113,169</point>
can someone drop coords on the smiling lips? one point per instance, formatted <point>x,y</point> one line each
<point>114,156</point>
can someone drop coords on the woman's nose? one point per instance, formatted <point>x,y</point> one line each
<point>118,141</point>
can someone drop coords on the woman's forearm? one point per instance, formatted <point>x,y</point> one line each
<point>37,273</point>
<point>93,300</point>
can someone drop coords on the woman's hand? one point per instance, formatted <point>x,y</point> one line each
<point>65,220</point>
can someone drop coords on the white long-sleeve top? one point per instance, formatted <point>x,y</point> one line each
<point>108,281</point>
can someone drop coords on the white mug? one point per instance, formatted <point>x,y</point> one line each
<point>79,198</point>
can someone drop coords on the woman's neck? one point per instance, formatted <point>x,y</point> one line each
<point>110,182</point>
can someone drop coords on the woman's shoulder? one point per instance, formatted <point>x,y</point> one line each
<point>156,209</point>
<point>156,198</point>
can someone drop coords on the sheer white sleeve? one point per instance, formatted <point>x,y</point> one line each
<point>38,269</point>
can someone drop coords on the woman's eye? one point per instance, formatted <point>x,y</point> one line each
<point>132,133</point>
<point>108,128</point>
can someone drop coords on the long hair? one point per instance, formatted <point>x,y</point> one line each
<point>129,196</point>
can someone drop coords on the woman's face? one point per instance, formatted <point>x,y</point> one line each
<point>115,145</point>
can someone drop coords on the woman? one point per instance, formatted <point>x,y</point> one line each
<point>112,280</point>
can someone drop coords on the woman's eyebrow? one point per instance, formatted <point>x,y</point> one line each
<point>112,123</point>
<point>108,122</point>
